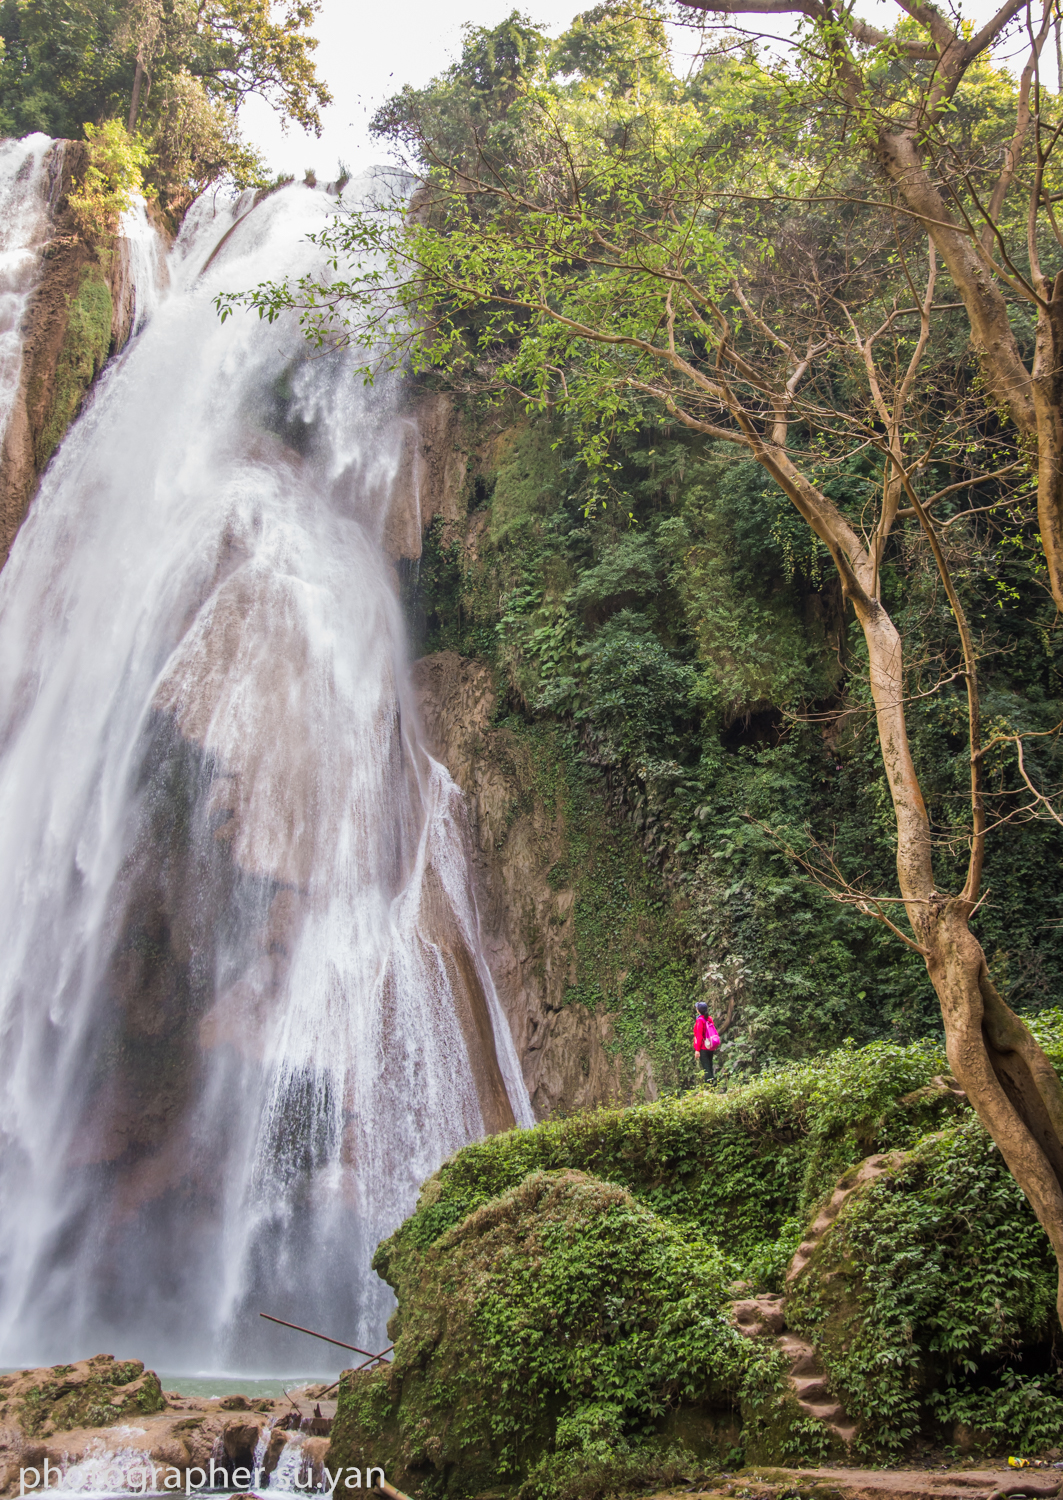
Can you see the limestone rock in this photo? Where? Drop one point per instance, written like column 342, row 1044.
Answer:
column 526, row 924
column 101, row 1412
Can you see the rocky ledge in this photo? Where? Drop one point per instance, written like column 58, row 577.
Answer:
column 110, row 1422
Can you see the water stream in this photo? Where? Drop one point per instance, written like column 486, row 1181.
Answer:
column 240, row 974
column 24, row 224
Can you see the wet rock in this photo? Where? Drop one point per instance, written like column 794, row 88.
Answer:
column 182, row 1433
column 277, row 1443
column 239, row 1440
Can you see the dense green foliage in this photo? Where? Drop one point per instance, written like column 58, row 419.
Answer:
column 924, row 1295
column 112, row 179
column 629, row 950
column 594, row 1316
column 562, row 1290
column 746, row 1166
column 68, row 63
column 680, row 638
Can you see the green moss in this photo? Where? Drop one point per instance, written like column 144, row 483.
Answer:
column 85, row 348
column 525, row 477
column 746, row 1167
column 669, row 615
column 629, row 948
column 586, row 1307
column 97, row 1394
column 924, row 1293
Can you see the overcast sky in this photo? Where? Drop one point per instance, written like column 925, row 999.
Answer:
column 370, row 48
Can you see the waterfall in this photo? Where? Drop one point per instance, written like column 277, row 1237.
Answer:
column 142, row 246
column 23, row 231
column 243, row 1006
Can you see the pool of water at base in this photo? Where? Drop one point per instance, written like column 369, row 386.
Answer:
column 207, row 1386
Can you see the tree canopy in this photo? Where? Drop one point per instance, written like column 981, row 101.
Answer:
column 174, row 70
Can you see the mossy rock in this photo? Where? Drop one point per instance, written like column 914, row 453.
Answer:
column 563, row 1292
column 930, row 1301
column 746, row 1168
column 563, row 1303
column 85, row 348
column 96, row 1392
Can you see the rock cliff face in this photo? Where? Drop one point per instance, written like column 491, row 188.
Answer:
column 79, row 314
column 431, row 476
column 526, row 923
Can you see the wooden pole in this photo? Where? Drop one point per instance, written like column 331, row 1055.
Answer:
column 322, row 1336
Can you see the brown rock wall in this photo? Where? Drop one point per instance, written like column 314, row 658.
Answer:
column 431, row 474
column 526, row 924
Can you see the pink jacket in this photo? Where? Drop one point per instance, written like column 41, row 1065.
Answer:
column 706, row 1037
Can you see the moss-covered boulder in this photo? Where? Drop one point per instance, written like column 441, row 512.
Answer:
column 746, row 1168
column 95, row 1392
column 560, row 1316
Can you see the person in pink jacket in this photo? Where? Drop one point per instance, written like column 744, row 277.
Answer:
column 706, row 1038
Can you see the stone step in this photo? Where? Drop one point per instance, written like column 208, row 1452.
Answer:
column 758, row 1316
column 802, row 1356
column 830, row 1412
column 811, row 1388
column 867, row 1170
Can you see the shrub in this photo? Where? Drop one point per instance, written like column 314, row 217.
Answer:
column 112, row 179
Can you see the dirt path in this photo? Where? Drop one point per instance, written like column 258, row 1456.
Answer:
column 763, row 1483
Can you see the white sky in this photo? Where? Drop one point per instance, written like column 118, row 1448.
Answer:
column 370, row 48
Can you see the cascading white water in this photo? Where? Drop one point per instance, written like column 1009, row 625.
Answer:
column 238, row 951
column 23, row 231
column 145, row 272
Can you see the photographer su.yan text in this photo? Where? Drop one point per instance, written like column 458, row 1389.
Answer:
column 148, row 1478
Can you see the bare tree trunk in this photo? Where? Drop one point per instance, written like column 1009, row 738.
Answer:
column 1034, row 399
column 1005, row 1074
column 1009, row 1081
column 1047, row 383
column 134, row 107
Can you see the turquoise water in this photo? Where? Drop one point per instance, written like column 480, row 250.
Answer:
column 230, row 1385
